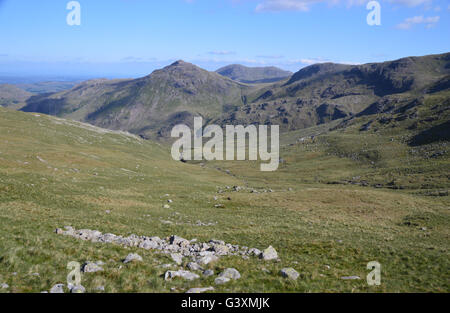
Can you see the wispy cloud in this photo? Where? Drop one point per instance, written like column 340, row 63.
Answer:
column 411, row 3
column 222, row 52
column 416, row 20
column 305, row 5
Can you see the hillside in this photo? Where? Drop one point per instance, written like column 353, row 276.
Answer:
column 330, row 208
column 148, row 106
column 12, row 96
column 320, row 93
column 253, row 75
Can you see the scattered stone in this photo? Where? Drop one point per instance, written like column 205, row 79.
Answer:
column 132, row 257
column 230, row 273
column 4, row 286
column 200, row 290
column 350, row 277
column 175, row 240
column 269, row 254
column 207, row 259
column 208, row 273
column 219, row 206
column 183, row 274
column 108, row 211
column 77, row 289
column 327, row 267
column 221, row 280
column 254, row 251
column 169, row 201
column 177, row 258
column 90, row 267
column 58, row 288
column 289, row 273
column 221, row 249
column 201, row 253
column 166, row 206
column 194, row 266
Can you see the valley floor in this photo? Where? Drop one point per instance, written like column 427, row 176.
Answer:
column 325, row 212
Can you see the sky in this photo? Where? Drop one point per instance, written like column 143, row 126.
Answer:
column 131, row 38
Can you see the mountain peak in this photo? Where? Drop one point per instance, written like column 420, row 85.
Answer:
column 180, row 63
column 245, row 74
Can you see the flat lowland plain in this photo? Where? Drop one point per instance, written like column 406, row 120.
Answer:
column 337, row 202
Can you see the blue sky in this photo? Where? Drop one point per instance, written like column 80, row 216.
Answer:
column 131, row 38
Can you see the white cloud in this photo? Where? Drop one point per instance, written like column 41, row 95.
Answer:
column 305, row 5
column 411, row 21
column 411, row 3
column 285, row 5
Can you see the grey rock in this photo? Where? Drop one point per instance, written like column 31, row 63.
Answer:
column 207, row 259
column 58, row 288
column 230, row 273
column 175, row 240
column 132, row 257
column 200, row 290
column 90, row 267
column 77, row 289
column 221, row 280
column 208, row 273
column 169, row 275
column 221, row 249
column 194, row 266
column 350, row 277
column 4, row 286
column 269, row 254
column 289, row 273
column 177, row 258
column 254, row 251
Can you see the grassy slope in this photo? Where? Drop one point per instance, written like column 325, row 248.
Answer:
column 315, row 224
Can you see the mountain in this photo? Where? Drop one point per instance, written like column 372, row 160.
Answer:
column 253, row 75
column 12, row 96
column 317, row 94
column 149, row 106
column 324, row 92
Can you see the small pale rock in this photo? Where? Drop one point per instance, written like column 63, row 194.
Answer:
column 208, row 273
column 207, row 259
column 90, row 267
column 350, row 277
column 78, row 289
column 230, row 273
column 183, row 274
column 200, row 290
column 269, row 254
column 58, row 288
column 177, row 258
column 4, row 286
column 132, row 257
column 289, row 273
column 194, row 266
column 221, row 280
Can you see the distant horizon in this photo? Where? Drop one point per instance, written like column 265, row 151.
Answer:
column 35, row 77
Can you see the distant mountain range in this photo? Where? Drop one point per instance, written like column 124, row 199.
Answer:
column 152, row 105
column 253, row 75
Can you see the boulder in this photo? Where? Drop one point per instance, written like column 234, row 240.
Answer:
column 289, row 273
column 269, row 254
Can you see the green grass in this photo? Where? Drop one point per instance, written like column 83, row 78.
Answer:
column 82, row 172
